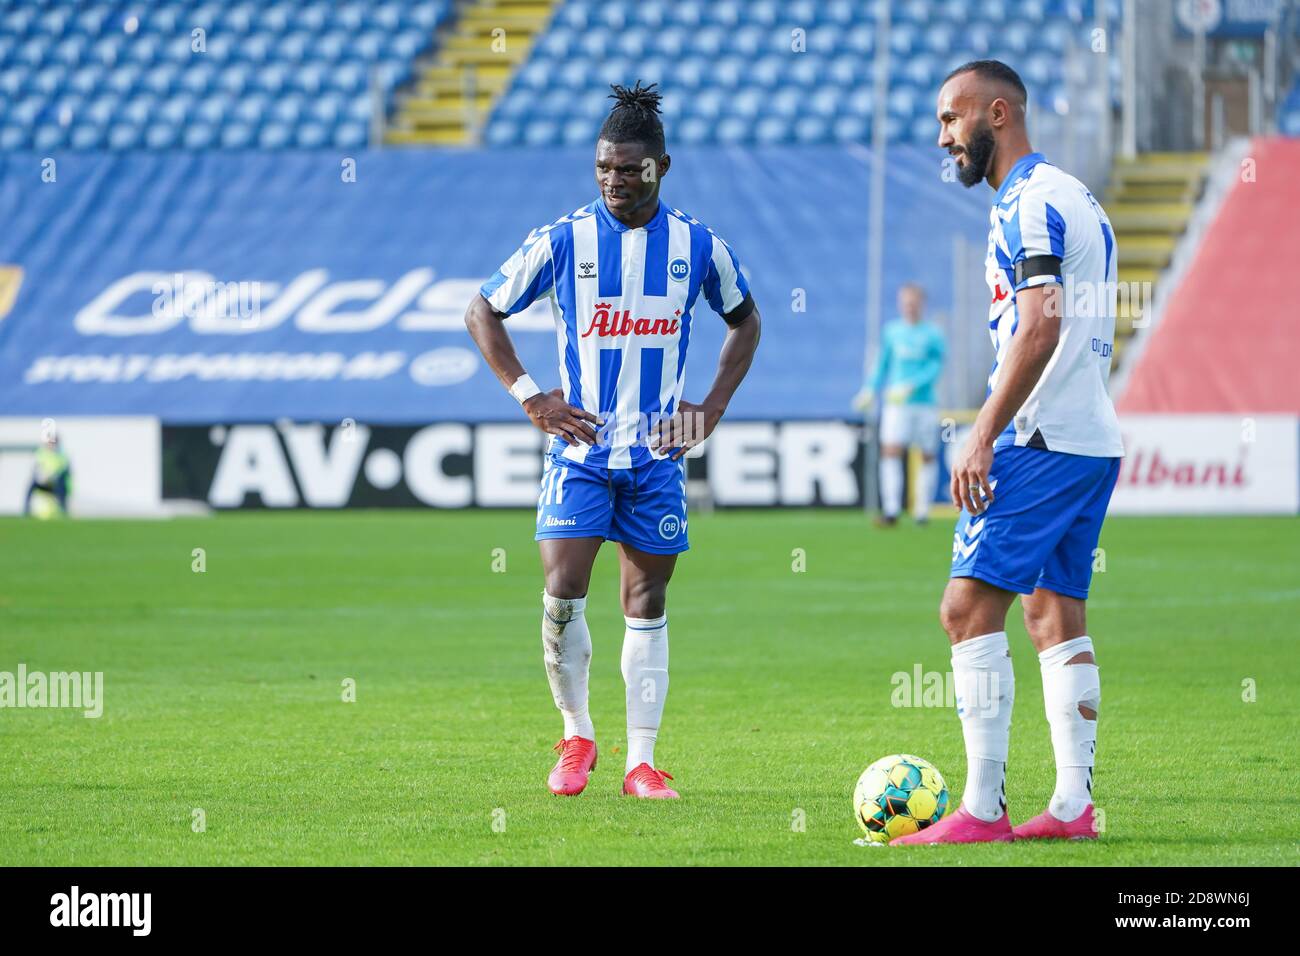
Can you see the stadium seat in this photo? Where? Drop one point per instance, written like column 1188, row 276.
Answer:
column 276, row 135
column 86, row 136
column 176, row 109
column 351, row 136
column 250, row 109
column 199, row 136
column 850, row 129
column 311, row 135
column 27, row 110
column 124, row 136
column 160, row 136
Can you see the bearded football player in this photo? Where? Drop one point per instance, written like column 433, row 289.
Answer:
column 1036, row 473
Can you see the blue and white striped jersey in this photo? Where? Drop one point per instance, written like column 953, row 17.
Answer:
column 623, row 301
column 1043, row 211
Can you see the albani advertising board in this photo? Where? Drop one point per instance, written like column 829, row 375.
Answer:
column 1209, row 464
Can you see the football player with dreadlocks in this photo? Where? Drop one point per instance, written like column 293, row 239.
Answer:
column 623, row 275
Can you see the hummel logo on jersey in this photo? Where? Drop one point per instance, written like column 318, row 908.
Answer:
column 586, row 268
column 605, row 323
column 1016, row 189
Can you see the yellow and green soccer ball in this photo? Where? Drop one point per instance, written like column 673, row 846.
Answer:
column 44, row 506
column 897, row 795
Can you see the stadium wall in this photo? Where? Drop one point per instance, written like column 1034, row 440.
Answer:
column 338, row 284
column 293, row 322
column 138, row 467
column 116, row 463
column 333, row 368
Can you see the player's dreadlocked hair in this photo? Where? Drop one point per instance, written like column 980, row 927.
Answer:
column 635, row 117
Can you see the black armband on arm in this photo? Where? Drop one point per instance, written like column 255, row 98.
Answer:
column 741, row 312
column 1035, row 266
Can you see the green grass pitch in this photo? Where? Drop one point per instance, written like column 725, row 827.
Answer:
column 223, row 693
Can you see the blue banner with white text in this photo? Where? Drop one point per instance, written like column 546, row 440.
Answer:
column 256, row 287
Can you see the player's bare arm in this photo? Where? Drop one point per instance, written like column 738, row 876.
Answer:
column 547, row 410
column 692, row 423
column 1031, row 349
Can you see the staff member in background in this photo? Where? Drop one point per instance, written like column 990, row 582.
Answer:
column 911, row 358
column 51, row 482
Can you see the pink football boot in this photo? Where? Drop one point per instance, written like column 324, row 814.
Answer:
column 1047, row 827
column 960, row 827
column 645, row 781
column 577, row 760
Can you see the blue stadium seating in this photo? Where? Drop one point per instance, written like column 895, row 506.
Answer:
column 109, row 74
column 112, row 74
column 729, row 73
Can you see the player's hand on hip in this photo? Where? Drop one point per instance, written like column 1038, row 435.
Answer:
column 689, row 425
column 970, row 477
column 553, row 415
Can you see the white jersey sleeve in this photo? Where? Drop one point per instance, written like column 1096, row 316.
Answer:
column 1041, row 232
column 522, row 279
column 724, row 286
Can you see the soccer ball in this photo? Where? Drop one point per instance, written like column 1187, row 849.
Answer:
column 44, row 506
column 897, row 795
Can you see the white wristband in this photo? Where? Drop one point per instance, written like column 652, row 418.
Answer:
column 524, row 388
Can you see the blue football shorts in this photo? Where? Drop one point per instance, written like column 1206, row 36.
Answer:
column 643, row 506
column 1041, row 530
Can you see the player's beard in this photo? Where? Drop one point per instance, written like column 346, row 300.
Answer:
column 979, row 154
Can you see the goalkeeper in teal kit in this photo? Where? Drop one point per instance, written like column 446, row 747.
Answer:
column 908, row 367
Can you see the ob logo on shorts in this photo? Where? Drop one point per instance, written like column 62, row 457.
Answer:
column 679, row 269
column 670, row 526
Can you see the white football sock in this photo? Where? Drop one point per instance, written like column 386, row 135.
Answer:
column 986, row 691
column 645, row 672
column 891, row 486
column 1074, row 737
column 925, row 487
column 566, row 649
